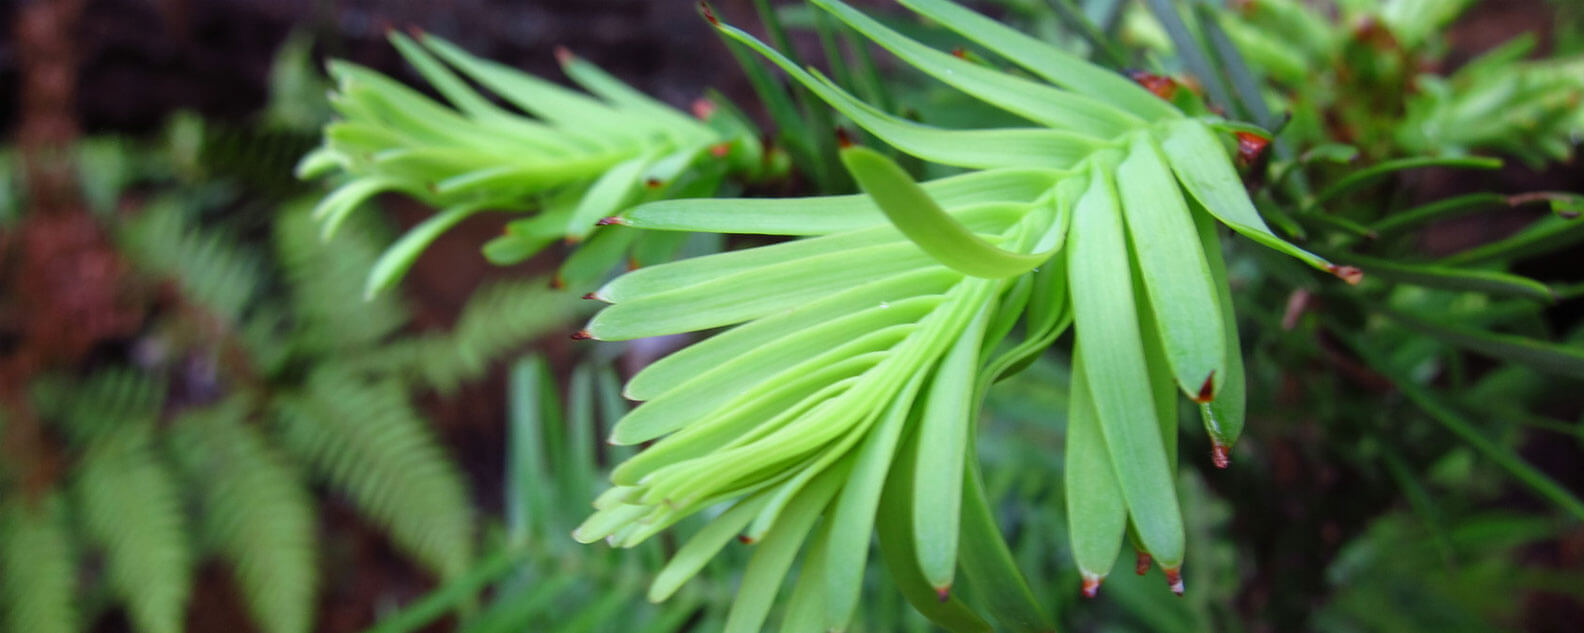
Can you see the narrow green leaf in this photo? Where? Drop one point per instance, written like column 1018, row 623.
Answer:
column 1451, row 278
column 1547, row 235
column 1191, row 51
column 1202, row 167
column 773, row 557
column 754, row 293
column 898, row 550
column 982, row 148
column 1553, row 358
column 988, row 564
column 1173, row 267
column 1223, row 417
column 686, row 364
column 1108, row 337
column 923, row 221
column 1439, row 210
column 853, row 517
column 1035, row 101
column 1054, row 64
column 1445, row 414
column 703, row 546
column 833, row 214
column 942, row 454
column 1366, row 176
column 394, row 263
column 1096, row 512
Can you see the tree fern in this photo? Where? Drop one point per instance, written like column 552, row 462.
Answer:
column 38, row 567
column 254, row 509
column 131, row 510
column 361, row 436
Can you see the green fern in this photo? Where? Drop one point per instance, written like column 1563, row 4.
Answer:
column 38, row 567
column 131, row 510
column 325, row 281
column 363, row 438
column 207, row 266
column 255, row 510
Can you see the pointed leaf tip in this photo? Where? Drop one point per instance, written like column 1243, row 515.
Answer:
column 1141, row 565
column 1091, row 585
column 563, row 55
column 1250, row 146
column 1159, row 85
column 1220, row 454
column 943, row 593
column 1350, row 274
column 1207, row 390
column 745, row 539
column 1174, row 580
column 582, row 335
column 704, row 8
column 843, row 139
column 614, row 219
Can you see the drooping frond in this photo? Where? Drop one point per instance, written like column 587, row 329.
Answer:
column 131, row 509
column 38, row 567
column 363, row 438
column 254, row 508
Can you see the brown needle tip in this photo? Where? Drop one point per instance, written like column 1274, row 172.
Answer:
column 1174, row 580
column 1091, row 585
column 943, row 593
column 1207, row 390
column 615, row 219
column 1349, row 274
column 704, row 8
column 581, row 335
column 1141, row 564
column 1220, row 454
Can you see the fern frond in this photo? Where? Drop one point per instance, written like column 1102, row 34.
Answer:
column 110, row 399
column 209, row 268
column 498, row 319
column 254, row 508
column 326, row 282
column 38, row 568
column 365, row 440
column 131, row 508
